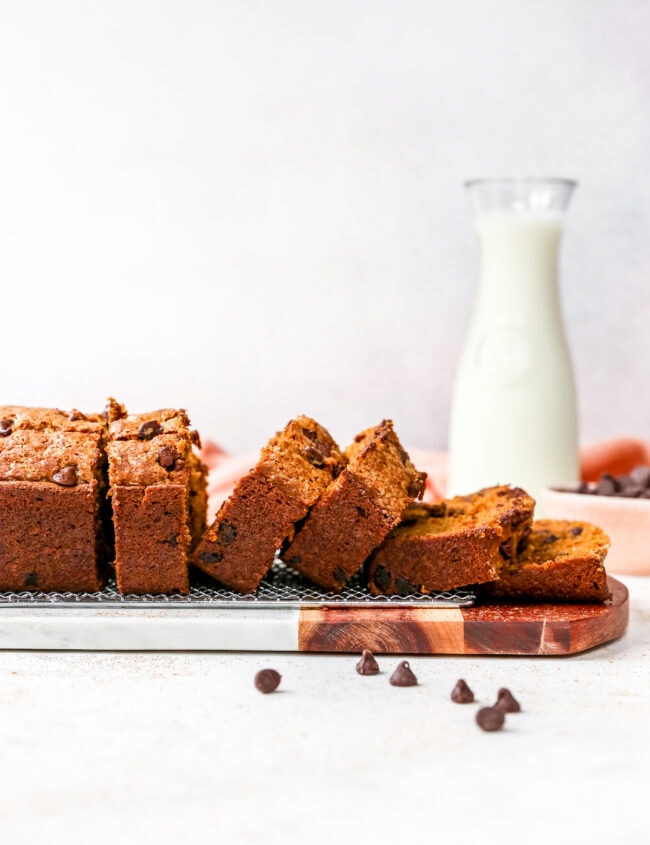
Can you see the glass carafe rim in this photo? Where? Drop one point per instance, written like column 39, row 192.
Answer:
column 521, row 180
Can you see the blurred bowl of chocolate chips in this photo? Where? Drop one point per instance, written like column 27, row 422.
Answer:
column 620, row 504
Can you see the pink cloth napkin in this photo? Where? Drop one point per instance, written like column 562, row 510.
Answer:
column 616, row 456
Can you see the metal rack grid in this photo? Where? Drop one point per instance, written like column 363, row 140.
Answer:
column 282, row 587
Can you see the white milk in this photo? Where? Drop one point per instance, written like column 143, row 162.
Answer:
column 513, row 417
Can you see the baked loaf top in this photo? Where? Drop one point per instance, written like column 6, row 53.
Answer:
column 561, row 560
column 153, row 448
column 44, row 444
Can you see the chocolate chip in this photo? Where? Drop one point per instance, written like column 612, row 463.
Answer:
column 490, row 719
column 417, row 486
column 31, row 579
column 576, row 531
column 403, row 676
column 608, row 485
column 267, row 680
column 337, row 469
column 75, row 415
column 363, row 513
column 6, row 427
column 367, row 665
column 382, row 578
column 196, row 439
column 404, row 587
column 171, row 541
column 506, row 701
column 461, row 693
column 149, row 429
column 295, row 560
column 314, row 456
column 339, row 575
column 641, row 475
column 211, row 557
column 548, row 537
column 167, row 457
column 226, row 533
column 403, row 454
column 66, row 476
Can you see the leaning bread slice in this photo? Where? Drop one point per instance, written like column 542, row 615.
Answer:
column 358, row 509
column 294, row 469
column 560, row 561
column 453, row 543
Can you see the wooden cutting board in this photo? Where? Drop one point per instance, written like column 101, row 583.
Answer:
column 532, row 629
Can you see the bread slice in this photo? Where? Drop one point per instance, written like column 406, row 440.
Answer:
column 560, row 561
column 294, row 469
column 454, row 543
column 358, row 509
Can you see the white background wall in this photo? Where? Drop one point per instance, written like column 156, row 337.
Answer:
column 255, row 209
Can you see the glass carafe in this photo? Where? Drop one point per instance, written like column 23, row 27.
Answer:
column 513, row 415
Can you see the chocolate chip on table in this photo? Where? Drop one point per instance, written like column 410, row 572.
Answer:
column 641, row 475
column 6, row 427
column 367, row 665
column 149, row 429
column 403, row 676
column 506, row 702
column 461, row 693
column 66, row 476
column 226, row 533
column 167, row 457
column 267, row 680
column 490, row 719
column 608, row 485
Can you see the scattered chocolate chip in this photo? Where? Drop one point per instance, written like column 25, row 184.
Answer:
column 66, row 476
column 507, row 702
column 641, row 475
column 367, row 665
column 167, row 457
column 267, row 680
column 31, row 579
column 608, row 485
column 490, row 719
column 339, row 575
column 75, row 415
column 461, row 693
column 576, row 531
column 382, row 578
column 149, row 429
column 403, row 676
column 226, row 533
column 418, row 485
column 363, row 513
column 211, row 557
column 6, row 427
column 314, row 456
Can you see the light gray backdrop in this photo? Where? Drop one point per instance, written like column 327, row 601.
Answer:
column 255, row 209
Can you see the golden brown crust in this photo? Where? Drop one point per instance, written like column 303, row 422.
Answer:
column 454, row 543
column 294, row 469
column 560, row 561
column 358, row 510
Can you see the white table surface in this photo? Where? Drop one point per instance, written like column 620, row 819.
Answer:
column 151, row 748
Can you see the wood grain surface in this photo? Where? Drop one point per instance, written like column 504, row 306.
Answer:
column 524, row 629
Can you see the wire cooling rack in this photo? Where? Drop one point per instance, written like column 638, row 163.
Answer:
column 282, row 587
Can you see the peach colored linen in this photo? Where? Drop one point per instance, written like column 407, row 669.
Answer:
column 615, row 456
